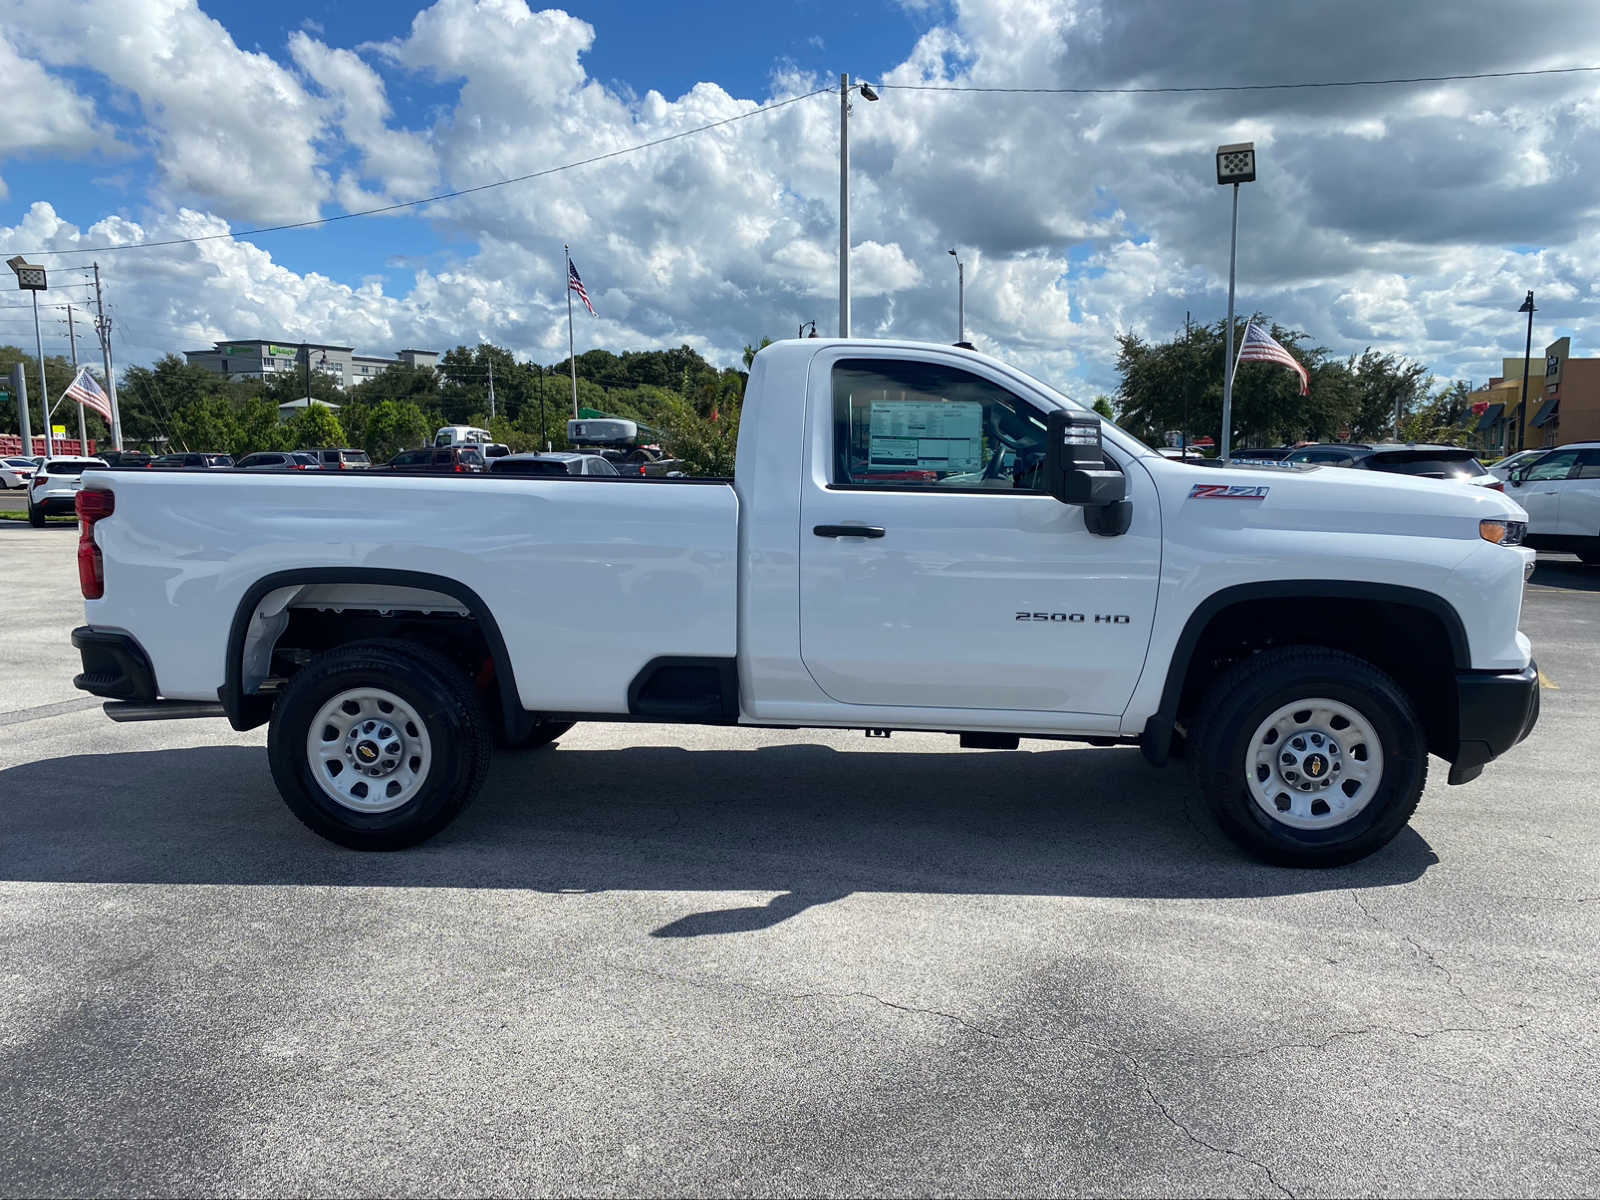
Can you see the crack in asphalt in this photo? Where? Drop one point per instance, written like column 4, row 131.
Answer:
column 742, row 985
column 1427, row 955
column 1199, row 1141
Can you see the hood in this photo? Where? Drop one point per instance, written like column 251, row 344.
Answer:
column 1331, row 499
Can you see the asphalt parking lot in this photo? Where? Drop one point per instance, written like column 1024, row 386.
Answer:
column 657, row 960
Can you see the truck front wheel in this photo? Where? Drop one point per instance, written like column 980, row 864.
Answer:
column 1309, row 757
column 378, row 745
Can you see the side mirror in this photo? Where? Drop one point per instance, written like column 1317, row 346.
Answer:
column 1519, row 476
column 1076, row 473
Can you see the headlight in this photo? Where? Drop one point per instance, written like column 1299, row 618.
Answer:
column 1502, row 531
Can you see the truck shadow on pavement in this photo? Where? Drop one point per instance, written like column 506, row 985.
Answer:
column 808, row 822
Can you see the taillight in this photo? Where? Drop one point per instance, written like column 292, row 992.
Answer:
column 93, row 504
column 40, row 480
column 460, row 470
column 1495, row 487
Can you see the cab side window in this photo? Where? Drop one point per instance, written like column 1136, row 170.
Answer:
column 902, row 424
column 1588, row 464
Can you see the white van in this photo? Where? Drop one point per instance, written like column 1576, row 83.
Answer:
column 462, row 435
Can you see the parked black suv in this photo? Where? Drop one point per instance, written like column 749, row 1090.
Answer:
column 189, row 461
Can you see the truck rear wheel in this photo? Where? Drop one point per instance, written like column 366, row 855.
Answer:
column 378, row 745
column 1309, row 757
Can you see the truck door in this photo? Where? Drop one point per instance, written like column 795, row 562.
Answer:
column 968, row 586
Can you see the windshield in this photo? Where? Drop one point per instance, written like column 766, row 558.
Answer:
column 1432, row 464
column 19, row 462
column 58, row 467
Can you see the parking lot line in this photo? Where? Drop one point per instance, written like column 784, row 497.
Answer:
column 1545, row 682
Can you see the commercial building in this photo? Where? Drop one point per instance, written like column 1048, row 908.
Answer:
column 258, row 358
column 1563, row 402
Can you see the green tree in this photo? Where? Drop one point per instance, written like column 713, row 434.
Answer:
column 1102, row 405
column 316, row 428
column 209, row 423
column 392, row 426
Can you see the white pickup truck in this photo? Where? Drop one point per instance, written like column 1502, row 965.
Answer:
column 917, row 537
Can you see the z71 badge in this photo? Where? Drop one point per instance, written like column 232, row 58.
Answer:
column 1229, row 491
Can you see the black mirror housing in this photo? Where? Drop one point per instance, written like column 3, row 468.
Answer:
column 1075, row 465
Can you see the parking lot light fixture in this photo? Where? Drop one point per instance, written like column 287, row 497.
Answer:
column 1522, row 409
column 1236, row 164
column 31, row 278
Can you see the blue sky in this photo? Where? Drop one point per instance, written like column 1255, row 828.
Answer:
column 638, row 47
column 1407, row 219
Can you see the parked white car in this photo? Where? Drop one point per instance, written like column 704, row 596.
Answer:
column 1502, row 469
column 53, row 491
column 1561, row 491
column 16, row 472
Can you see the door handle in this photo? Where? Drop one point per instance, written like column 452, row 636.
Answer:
column 860, row 531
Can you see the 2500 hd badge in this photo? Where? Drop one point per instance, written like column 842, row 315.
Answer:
column 1076, row 618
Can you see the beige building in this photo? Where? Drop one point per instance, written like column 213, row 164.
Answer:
column 1563, row 402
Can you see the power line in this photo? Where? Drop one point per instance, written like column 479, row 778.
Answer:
column 1228, row 87
column 482, row 187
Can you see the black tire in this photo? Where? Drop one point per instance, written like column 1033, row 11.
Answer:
column 441, row 695
column 541, row 734
column 1590, row 556
column 35, row 515
column 1251, row 691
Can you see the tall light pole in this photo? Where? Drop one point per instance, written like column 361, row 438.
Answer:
column 31, row 278
column 1236, row 164
column 961, row 297
column 1522, row 409
column 844, row 196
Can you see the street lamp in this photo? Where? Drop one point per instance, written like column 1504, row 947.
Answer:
column 961, row 298
column 844, row 197
column 31, row 278
column 1236, row 164
column 1522, row 410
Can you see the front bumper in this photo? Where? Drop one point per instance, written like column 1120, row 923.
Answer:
column 114, row 666
column 1494, row 711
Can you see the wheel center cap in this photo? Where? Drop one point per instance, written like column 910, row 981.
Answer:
column 367, row 752
column 1315, row 766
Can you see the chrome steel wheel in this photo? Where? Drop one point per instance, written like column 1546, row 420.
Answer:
column 1314, row 764
column 368, row 750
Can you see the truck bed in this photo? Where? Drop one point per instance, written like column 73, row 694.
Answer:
column 591, row 578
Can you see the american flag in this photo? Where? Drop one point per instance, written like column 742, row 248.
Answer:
column 575, row 284
column 1259, row 346
column 87, row 392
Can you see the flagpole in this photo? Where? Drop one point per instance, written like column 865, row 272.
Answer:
column 83, row 429
column 572, row 356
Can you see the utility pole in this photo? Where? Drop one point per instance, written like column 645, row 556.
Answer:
column 72, row 339
column 305, row 353
column 102, row 326
column 543, row 436
column 491, row 389
column 844, row 206
column 1188, row 354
